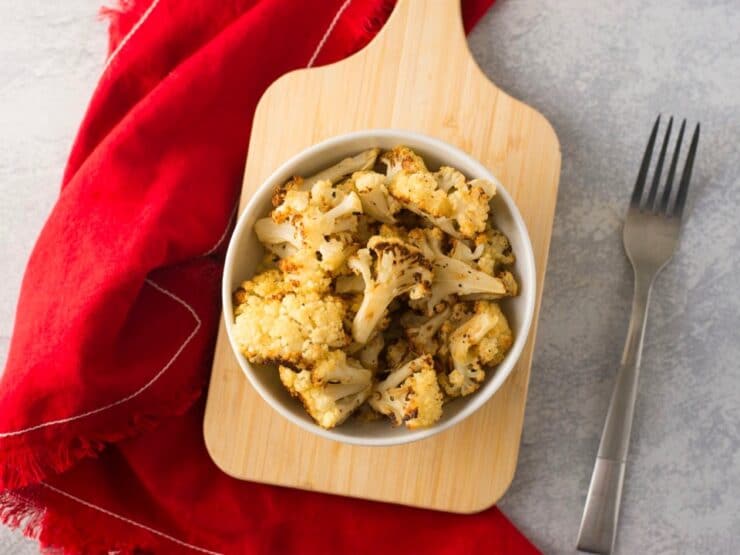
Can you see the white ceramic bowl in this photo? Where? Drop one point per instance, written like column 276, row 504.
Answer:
column 244, row 253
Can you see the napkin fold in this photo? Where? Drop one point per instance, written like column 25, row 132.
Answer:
column 101, row 401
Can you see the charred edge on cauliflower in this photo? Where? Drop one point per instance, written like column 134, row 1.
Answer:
column 329, row 404
column 480, row 342
column 410, row 394
column 389, row 268
column 452, row 276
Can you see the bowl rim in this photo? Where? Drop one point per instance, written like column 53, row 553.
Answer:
column 525, row 265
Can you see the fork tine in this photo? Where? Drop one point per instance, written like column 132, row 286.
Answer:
column 659, row 168
column 683, row 188
column 640, row 183
column 672, row 170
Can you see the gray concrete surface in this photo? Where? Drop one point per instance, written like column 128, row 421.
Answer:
column 600, row 73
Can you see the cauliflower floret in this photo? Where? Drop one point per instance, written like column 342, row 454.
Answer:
column 458, row 207
column 462, row 211
column 402, row 158
column 452, row 276
column 320, row 221
column 449, row 178
column 419, row 193
column 363, row 161
column 460, row 313
column 329, row 402
column 275, row 324
column 376, row 201
column 335, row 367
column 495, row 251
column 421, row 330
column 278, row 236
column 470, row 206
column 480, row 342
column 328, row 212
column 462, row 251
column 410, row 394
column 389, row 268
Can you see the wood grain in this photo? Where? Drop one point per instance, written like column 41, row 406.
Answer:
column 417, row 74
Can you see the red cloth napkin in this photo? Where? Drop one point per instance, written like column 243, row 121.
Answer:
column 101, row 400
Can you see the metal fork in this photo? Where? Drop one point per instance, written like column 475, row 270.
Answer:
column 651, row 231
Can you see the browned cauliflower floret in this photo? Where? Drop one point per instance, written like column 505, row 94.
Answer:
column 389, row 268
column 460, row 312
column 376, row 201
column 410, row 394
column 330, row 392
column 452, row 276
column 495, row 251
column 458, row 207
column 312, row 231
column 402, row 158
column 480, row 342
column 419, row 193
column 275, row 324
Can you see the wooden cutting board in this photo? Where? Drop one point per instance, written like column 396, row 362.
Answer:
column 419, row 75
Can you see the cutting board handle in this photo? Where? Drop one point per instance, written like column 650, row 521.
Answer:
column 434, row 24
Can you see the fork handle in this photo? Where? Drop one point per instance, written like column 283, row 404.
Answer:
column 601, row 512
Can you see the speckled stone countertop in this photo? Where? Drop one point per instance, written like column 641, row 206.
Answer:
column 600, row 73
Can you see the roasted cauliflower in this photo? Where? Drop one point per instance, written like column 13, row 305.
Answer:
column 332, row 390
column 480, row 342
column 389, row 267
column 453, row 276
column 458, row 207
column 274, row 324
column 410, row 395
column 377, row 294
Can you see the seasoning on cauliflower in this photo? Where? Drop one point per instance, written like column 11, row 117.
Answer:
column 421, row 331
column 452, row 276
column 389, row 268
column 419, row 193
column 480, row 342
column 458, row 207
column 410, row 394
column 495, row 251
column 376, row 201
column 402, row 158
column 332, row 391
column 273, row 324
column 318, row 223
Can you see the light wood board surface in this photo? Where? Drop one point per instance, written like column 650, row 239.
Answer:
column 418, row 75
